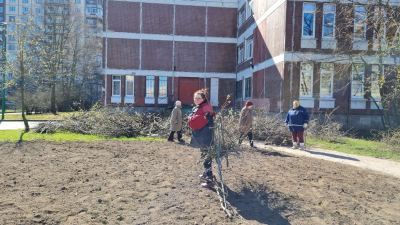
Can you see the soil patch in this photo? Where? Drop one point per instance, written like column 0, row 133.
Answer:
column 115, row 182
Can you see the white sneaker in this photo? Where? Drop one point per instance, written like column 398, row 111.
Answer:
column 294, row 145
column 302, row 146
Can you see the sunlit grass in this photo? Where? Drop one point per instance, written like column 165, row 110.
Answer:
column 357, row 147
column 43, row 116
column 17, row 135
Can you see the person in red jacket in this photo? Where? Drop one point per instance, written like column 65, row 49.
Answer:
column 201, row 121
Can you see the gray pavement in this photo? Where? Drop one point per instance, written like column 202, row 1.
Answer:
column 385, row 166
column 16, row 125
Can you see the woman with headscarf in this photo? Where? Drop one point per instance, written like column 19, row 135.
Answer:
column 176, row 122
column 246, row 123
column 297, row 119
column 201, row 121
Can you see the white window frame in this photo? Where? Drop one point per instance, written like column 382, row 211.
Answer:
column 163, row 99
column 12, row 8
column 241, row 16
column 365, row 24
column 334, row 21
column 249, row 8
column 376, row 82
column 149, row 99
column 246, row 80
column 362, row 81
column 311, row 79
column 302, row 22
column 129, row 98
column 320, row 84
column 240, row 53
column 249, row 47
column 25, row 1
column 384, row 25
column 113, row 85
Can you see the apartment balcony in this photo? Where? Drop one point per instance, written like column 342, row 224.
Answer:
column 98, row 6
column 94, row 16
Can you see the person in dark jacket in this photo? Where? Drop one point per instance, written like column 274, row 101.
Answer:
column 246, row 123
column 201, row 121
column 176, row 122
column 297, row 119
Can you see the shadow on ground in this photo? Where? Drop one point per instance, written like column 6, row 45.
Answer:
column 258, row 206
column 331, row 155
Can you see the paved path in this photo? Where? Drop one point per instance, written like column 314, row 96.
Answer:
column 380, row 165
column 15, row 125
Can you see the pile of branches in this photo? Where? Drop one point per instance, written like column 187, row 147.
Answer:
column 112, row 122
column 271, row 128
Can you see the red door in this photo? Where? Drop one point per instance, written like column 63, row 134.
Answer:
column 187, row 87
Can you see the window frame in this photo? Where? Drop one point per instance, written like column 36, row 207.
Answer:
column 241, row 16
column 249, row 9
column 150, row 80
column 302, row 25
column 113, row 85
column 248, row 88
column 130, row 78
column 11, row 7
column 166, row 87
column 239, row 88
column 376, row 8
column 372, row 82
column 320, row 84
column 251, row 50
column 311, row 79
column 241, row 56
column 365, row 24
column 362, row 81
column 334, row 21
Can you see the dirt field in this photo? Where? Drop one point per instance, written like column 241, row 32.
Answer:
column 113, row 182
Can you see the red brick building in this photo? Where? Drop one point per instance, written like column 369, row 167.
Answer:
column 160, row 51
column 157, row 52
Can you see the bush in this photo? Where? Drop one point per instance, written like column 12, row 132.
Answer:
column 390, row 139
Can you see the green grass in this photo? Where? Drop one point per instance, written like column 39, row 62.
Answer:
column 17, row 135
column 357, row 147
column 43, row 116
column 10, row 110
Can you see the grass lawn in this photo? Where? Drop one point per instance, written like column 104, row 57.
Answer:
column 43, row 116
column 17, row 135
column 357, row 147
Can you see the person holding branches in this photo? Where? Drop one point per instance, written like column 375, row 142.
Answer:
column 201, row 120
column 297, row 120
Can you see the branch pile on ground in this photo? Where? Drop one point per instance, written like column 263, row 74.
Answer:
column 113, row 122
column 271, row 128
column 327, row 129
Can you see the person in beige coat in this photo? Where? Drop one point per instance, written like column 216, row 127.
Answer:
column 176, row 122
column 246, row 123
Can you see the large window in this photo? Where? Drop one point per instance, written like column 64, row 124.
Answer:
column 116, row 85
column 249, row 48
column 248, row 88
column 360, row 25
column 380, row 19
column 241, row 16
column 12, row 9
column 149, row 87
column 249, row 8
column 239, row 89
column 162, row 87
column 326, row 80
column 240, row 53
column 306, row 77
column 308, row 19
column 375, row 82
column 357, row 81
column 25, row 9
column 130, row 88
column 329, row 21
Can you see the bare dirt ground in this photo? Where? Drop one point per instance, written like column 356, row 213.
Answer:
column 114, row 182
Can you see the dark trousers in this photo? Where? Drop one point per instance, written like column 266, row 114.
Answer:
column 298, row 133
column 207, row 160
column 171, row 135
column 249, row 135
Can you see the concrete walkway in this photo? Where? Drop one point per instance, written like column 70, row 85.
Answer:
column 380, row 165
column 16, row 125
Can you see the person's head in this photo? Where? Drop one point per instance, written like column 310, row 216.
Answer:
column 200, row 96
column 296, row 104
column 178, row 103
column 249, row 104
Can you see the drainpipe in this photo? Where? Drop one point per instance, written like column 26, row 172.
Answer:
column 292, row 49
column 106, row 52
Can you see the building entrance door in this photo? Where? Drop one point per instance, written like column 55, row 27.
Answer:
column 187, row 87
